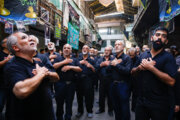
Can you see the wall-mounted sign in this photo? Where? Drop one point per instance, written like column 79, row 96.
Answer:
column 44, row 14
column 47, row 34
column 18, row 10
column 168, row 9
column 8, row 27
column 57, row 32
column 20, row 26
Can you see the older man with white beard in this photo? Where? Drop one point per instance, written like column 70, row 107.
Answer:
column 51, row 54
column 120, row 93
column 102, row 66
column 27, row 97
column 85, row 83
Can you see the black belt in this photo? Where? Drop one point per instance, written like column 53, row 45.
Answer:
column 116, row 81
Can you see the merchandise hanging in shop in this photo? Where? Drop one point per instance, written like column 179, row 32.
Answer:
column 168, row 9
column 18, row 10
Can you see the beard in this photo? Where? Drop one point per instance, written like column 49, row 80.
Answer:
column 119, row 50
column 50, row 48
column 157, row 46
column 106, row 55
column 84, row 53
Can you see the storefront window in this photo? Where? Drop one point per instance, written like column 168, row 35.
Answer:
column 103, row 31
column 112, row 43
column 115, row 30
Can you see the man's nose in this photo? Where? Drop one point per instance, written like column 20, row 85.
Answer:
column 31, row 39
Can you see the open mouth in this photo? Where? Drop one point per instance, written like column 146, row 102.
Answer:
column 32, row 44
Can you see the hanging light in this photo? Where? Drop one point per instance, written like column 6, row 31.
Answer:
column 106, row 3
column 119, row 5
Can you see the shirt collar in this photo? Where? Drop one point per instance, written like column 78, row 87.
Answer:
column 122, row 55
column 22, row 60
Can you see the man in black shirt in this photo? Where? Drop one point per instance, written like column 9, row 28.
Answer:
column 134, row 80
column 102, row 66
column 52, row 54
column 66, row 66
column 85, row 83
column 120, row 93
column 28, row 95
column 4, row 58
column 157, row 69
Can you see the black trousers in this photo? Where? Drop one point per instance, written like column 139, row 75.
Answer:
column 146, row 113
column 104, row 92
column 64, row 94
column 85, row 91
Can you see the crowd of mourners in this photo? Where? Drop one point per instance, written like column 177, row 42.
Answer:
column 30, row 80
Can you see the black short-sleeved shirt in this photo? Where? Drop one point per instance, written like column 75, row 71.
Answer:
column 44, row 60
column 68, row 75
column 121, row 72
column 55, row 53
column 103, row 71
column 85, row 70
column 38, row 105
column 2, row 57
column 155, row 92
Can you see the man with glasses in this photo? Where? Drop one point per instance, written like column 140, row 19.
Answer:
column 157, row 70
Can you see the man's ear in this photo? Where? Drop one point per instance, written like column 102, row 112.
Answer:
column 166, row 42
column 152, row 38
column 15, row 48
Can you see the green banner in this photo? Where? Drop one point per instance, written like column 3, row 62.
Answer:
column 73, row 37
column 58, row 22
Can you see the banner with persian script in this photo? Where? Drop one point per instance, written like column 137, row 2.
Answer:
column 168, row 9
column 58, row 21
column 73, row 36
column 18, row 10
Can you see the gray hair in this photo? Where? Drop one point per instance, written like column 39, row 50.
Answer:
column 69, row 45
column 11, row 40
column 132, row 50
column 109, row 46
column 121, row 41
column 87, row 46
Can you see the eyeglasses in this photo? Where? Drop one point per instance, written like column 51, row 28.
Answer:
column 159, row 34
